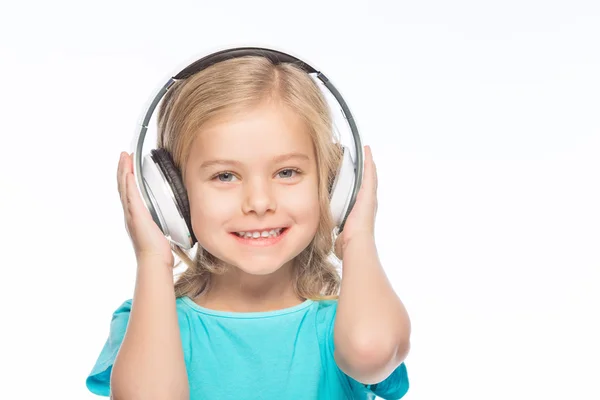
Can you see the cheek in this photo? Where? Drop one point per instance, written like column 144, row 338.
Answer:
column 302, row 204
column 208, row 212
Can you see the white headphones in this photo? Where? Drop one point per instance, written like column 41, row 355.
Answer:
column 160, row 182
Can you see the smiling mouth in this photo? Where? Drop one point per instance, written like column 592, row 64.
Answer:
column 258, row 235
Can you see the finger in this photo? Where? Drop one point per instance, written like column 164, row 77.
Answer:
column 373, row 170
column 337, row 248
column 132, row 190
column 125, row 173
column 119, row 168
column 121, row 180
column 136, row 206
column 369, row 182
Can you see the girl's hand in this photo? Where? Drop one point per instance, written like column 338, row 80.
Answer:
column 148, row 240
column 360, row 224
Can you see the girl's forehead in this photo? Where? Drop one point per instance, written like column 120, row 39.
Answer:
column 266, row 131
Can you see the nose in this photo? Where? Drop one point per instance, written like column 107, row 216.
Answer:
column 258, row 198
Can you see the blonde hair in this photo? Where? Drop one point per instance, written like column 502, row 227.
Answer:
column 233, row 86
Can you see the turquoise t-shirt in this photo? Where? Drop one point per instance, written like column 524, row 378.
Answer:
column 283, row 354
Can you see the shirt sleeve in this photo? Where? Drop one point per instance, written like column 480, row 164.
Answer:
column 394, row 387
column 98, row 381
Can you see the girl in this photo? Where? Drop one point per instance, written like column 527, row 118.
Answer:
column 261, row 311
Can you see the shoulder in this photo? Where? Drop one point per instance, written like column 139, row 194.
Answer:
column 125, row 306
column 121, row 314
column 98, row 381
column 324, row 319
column 326, row 310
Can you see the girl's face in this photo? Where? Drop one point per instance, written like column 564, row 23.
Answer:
column 254, row 175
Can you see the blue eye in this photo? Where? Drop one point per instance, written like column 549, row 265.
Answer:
column 288, row 173
column 227, row 176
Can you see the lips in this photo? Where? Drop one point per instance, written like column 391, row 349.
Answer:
column 266, row 238
column 260, row 233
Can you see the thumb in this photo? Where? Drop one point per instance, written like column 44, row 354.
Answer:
column 337, row 248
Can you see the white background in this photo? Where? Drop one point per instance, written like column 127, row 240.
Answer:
column 484, row 121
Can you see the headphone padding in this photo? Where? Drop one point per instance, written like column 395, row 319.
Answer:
column 341, row 191
column 163, row 159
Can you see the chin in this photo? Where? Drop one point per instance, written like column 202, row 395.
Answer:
column 258, row 267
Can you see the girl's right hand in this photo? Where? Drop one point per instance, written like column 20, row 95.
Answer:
column 149, row 242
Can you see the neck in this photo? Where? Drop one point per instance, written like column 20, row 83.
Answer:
column 238, row 291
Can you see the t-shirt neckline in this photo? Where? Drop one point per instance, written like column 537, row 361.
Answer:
column 242, row 315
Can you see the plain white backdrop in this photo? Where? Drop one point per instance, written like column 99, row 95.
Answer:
column 484, row 123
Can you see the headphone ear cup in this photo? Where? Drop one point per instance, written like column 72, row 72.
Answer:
column 168, row 192
column 341, row 191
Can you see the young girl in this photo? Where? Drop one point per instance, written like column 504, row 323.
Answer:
column 261, row 311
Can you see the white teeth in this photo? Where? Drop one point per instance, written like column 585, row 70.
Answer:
column 260, row 234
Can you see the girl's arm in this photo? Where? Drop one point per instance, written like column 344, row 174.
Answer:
column 150, row 362
column 372, row 327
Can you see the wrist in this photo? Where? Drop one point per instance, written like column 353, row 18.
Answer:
column 153, row 261
column 362, row 238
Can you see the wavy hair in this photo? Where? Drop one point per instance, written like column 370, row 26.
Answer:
column 233, row 86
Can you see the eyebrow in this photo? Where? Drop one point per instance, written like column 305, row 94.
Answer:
column 278, row 159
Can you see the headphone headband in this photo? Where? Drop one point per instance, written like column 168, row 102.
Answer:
column 276, row 57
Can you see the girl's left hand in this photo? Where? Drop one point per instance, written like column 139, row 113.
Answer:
column 361, row 221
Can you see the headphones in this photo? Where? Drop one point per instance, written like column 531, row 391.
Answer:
column 160, row 182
